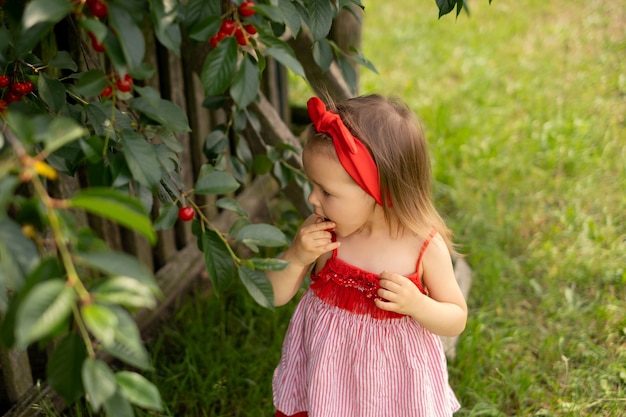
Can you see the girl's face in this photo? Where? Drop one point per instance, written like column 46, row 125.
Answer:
column 335, row 195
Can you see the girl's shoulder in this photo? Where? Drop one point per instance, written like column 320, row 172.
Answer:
column 435, row 248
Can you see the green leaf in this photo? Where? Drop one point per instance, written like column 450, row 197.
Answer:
column 282, row 172
column 238, row 169
column 45, row 11
column 169, row 139
column 124, row 291
column 119, row 264
column 246, row 83
column 100, row 321
column 203, row 29
column 261, row 164
column 358, row 57
column 118, row 406
column 258, row 286
column 99, row 382
column 129, row 35
column 64, row 366
column 348, row 72
column 116, row 206
column 321, row 13
column 90, row 83
column 254, row 235
column 47, row 268
column 219, row 67
column 211, row 181
column 60, row 132
column 231, row 204
column 51, row 91
column 215, row 143
column 163, row 111
column 63, row 60
column 127, row 345
column 243, row 151
column 138, row 390
column 47, row 305
column 446, row 6
column 8, row 184
column 166, row 29
column 25, row 40
column 18, row 255
column 291, row 17
column 23, row 128
column 141, row 159
column 95, row 26
column 323, row 54
column 282, row 52
column 269, row 264
column 168, row 213
column 218, row 260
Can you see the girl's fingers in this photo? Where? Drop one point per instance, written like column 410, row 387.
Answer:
column 325, row 225
column 388, row 285
column 386, row 294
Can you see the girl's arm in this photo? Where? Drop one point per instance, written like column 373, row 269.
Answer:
column 444, row 310
column 312, row 240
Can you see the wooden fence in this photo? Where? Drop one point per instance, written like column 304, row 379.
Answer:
column 176, row 260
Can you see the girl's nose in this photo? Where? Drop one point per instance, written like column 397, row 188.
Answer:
column 312, row 199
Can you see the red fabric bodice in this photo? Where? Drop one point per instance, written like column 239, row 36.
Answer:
column 351, row 288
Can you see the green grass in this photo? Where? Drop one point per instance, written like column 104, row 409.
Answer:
column 524, row 104
column 216, row 356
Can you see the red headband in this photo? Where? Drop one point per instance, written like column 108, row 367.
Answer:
column 353, row 155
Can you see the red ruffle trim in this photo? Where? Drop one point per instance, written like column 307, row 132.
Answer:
column 349, row 288
column 301, row 414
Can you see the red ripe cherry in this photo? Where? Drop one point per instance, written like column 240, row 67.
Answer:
column 250, row 29
column 95, row 43
column 216, row 39
column 246, row 9
column 98, row 9
column 228, row 27
column 4, row 81
column 17, row 88
column 28, row 87
column 13, row 97
column 241, row 37
column 106, row 91
column 186, row 213
column 125, row 84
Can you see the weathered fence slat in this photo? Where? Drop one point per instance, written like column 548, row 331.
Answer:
column 16, row 372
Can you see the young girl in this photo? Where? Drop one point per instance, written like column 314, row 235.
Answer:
column 364, row 339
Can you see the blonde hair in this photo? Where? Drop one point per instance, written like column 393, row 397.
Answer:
column 394, row 136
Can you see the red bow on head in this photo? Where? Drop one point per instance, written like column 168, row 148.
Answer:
column 353, row 155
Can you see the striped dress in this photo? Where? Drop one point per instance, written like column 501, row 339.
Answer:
column 344, row 357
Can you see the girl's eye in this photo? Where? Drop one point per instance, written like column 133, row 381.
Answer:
column 325, row 193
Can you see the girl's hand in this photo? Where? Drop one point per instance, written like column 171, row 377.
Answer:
column 401, row 294
column 313, row 239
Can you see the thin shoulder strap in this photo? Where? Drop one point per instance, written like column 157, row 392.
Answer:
column 424, row 246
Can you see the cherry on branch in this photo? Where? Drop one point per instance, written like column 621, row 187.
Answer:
column 246, row 10
column 125, row 84
column 186, row 213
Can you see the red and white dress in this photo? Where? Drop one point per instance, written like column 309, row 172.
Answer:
column 344, row 357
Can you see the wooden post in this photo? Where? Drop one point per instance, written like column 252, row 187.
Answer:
column 18, row 378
